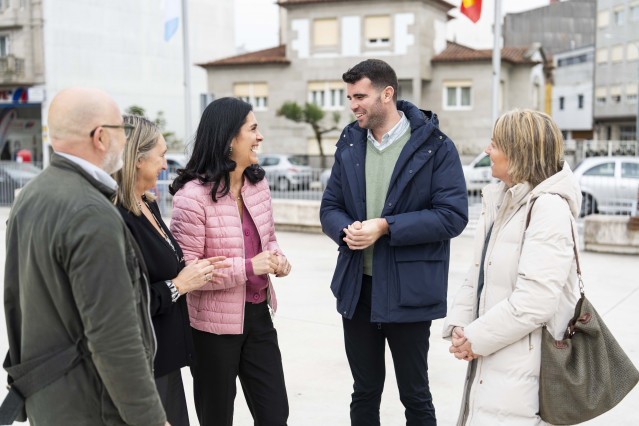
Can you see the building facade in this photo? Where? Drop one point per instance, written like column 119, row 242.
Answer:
column 461, row 89
column 118, row 46
column 558, row 27
column 572, row 103
column 616, row 70
column 22, row 75
column 323, row 39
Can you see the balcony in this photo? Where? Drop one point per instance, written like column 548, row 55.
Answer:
column 11, row 69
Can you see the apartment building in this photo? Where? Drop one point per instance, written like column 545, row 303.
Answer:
column 461, row 86
column 616, row 70
column 559, row 27
column 22, row 75
column 572, row 103
column 119, row 46
column 321, row 39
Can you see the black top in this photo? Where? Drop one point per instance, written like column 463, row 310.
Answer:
column 170, row 320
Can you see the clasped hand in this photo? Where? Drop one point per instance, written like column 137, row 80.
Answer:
column 461, row 347
column 270, row 262
column 360, row 235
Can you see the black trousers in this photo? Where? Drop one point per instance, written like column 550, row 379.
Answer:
column 171, row 392
column 255, row 357
column 365, row 348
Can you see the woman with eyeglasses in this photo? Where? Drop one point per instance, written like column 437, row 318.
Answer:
column 222, row 207
column 169, row 277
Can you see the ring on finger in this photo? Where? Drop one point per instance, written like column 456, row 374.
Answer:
column 207, row 277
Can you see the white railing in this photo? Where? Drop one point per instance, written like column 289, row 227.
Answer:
column 309, row 189
column 13, row 176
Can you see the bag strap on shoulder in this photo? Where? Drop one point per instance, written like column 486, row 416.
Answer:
column 27, row 378
column 574, row 245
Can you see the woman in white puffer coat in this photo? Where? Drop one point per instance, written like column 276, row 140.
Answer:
column 528, row 277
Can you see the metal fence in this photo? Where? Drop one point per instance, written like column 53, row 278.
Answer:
column 311, row 191
column 13, row 176
column 612, row 190
column 576, row 150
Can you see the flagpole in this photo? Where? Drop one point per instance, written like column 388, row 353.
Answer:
column 496, row 61
column 186, row 55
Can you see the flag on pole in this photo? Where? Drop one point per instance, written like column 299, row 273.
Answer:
column 472, row 9
column 171, row 18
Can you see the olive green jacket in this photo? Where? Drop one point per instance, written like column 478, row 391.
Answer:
column 71, row 275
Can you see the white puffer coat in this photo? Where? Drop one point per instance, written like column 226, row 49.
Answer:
column 530, row 279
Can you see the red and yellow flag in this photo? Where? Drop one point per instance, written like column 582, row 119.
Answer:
column 472, row 9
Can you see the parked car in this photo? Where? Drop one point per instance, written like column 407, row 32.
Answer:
column 608, row 184
column 285, row 172
column 478, row 173
column 13, row 176
column 174, row 161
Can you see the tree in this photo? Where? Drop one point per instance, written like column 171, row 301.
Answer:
column 313, row 115
column 171, row 141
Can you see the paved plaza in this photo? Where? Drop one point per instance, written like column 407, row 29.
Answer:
column 318, row 379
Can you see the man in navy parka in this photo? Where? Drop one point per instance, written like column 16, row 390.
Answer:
column 395, row 198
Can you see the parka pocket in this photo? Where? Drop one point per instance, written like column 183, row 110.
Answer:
column 421, row 276
column 343, row 271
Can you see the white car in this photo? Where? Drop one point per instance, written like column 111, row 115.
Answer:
column 174, row 161
column 608, row 184
column 284, row 172
column 478, row 173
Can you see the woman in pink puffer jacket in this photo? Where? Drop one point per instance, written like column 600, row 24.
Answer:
column 222, row 206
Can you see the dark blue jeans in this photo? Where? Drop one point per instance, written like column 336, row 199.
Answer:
column 365, row 347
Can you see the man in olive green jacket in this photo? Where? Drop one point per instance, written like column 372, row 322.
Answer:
column 72, row 277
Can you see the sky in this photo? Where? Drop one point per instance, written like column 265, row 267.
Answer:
column 256, row 23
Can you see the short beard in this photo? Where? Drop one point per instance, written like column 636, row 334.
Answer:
column 376, row 117
column 113, row 162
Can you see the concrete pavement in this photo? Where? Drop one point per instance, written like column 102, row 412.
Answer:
column 310, row 333
column 317, row 374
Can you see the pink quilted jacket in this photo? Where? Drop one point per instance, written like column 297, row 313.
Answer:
column 205, row 229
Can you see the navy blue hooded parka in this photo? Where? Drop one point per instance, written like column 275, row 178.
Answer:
column 426, row 205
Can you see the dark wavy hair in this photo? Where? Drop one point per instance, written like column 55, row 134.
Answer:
column 210, row 162
column 377, row 71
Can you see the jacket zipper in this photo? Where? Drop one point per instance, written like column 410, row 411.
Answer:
column 269, row 296
column 148, row 315
column 350, row 305
column 244, row 252
column 477, row 379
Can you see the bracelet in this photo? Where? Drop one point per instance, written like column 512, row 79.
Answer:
column 175, row 292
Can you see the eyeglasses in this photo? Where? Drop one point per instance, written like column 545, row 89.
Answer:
column 128, row 128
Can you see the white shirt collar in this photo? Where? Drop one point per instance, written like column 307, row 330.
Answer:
column 392, row 135
column 93, row 170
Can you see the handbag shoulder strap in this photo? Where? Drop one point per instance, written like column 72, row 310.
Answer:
column 27, row 378
column 574, row 245
column 31, row 376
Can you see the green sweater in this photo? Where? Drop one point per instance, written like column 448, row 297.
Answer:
column 379, row 169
